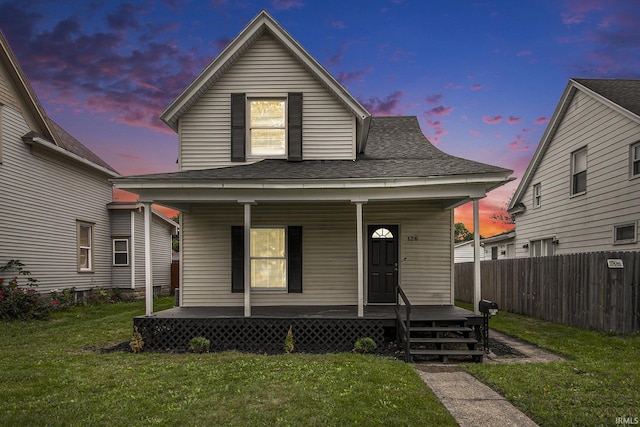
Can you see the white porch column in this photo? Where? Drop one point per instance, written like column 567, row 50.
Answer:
column 247, row 259
column 148, row 271
column 477, row 286
column 360, row 259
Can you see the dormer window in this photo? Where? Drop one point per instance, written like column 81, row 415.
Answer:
column 267, row 127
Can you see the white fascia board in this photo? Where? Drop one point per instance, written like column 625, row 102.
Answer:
column 47, row 145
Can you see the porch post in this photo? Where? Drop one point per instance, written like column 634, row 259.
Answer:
column 477, row 286
column 360, row 259
column 148, row 271
column 247, row 259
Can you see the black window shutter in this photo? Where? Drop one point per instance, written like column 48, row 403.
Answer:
column 294, row 126
column 237, row 259
column 294, row 264
column 238, row 127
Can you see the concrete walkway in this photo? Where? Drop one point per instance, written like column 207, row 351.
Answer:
column 472, row 403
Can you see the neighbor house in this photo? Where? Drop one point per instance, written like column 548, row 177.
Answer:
column 54, row 193
column 500, row 246
column 581, row 191
column 294, row 197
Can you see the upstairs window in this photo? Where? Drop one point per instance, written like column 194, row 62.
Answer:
column 579, row 172
column 85, row 246
column 635, row 160
column 537, row 195
column 267, row 128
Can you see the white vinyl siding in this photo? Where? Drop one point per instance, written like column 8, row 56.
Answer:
column 42, row 197
column 329, row 130
column 329, row 251
column 585, row 223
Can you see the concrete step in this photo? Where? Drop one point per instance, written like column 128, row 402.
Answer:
column 461, row 340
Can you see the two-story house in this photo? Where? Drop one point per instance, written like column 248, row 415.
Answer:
column 293, row 196
column 581, row 191
column 54, row 197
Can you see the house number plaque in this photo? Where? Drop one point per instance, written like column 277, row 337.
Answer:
column 615, row 263
column 413, row 238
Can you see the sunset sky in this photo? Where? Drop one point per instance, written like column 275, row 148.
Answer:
column 483, row 77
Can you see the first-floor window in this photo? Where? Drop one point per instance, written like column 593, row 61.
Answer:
column 625, row 233
column 268, row 258
column 85, row 245
column 120, row 251
column 542, row 247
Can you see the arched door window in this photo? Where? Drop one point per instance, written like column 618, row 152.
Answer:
column 382, row 233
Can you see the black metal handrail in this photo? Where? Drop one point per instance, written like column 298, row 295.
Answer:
column 403, row 326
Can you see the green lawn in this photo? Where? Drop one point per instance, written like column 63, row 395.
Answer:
column 54, row 374
column 598, row 383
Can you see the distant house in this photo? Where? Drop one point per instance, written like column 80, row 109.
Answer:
column 500, row 246
column 54, row 194
column 294, row 199
column 581, row 191
column 463, row 252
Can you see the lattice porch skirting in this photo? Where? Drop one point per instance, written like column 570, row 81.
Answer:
column 257, row 335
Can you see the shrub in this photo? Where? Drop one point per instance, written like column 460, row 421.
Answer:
column 365, row 345
column 22, row 303
column 288, row 342
column 136, row 343
column 199, row 345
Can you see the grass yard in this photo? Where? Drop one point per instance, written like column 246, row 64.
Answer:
column 599, row 383
column 54, row 374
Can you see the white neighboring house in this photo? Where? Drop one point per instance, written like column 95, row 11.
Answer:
column 581, row 191
column 463, row 252
column 501, row 246
column 54, row 193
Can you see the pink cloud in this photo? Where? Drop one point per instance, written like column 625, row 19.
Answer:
column 434, row 124
column 354, row 76
column 440, row 110
column 388, row 106
column 476, row 87
column 541, row 120
column 492, row 120
column 475, row 132
column 286, row 4
column 520, row 143
column 514, row 120
column 577, row 10
column 433, row 99
column 450, row 85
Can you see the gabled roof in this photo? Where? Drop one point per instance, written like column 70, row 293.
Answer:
column 49, row 132
column 620, row 95
column 262, row 23
column 396, row 148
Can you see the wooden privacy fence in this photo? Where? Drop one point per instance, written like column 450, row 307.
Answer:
column 584, row 290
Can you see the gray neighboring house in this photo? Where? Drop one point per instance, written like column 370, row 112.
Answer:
column 581, row 191
column 292, row 194
column 54, row 195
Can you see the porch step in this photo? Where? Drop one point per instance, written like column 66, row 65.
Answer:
column 440, row 329
column 461, row 340
column 447, row 352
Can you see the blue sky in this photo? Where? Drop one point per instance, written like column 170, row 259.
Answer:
column 483, row 77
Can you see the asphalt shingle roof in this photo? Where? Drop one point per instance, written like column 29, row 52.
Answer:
column 625, row 93
column 396, row 148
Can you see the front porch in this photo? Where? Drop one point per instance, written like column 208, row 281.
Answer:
column 316, row 329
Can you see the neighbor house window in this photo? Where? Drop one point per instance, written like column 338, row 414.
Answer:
column 541, row 247
column 268, row 258
column 579, row 171
column 267, row 127
column 85, row 245
column 635, row 160
column 537, row 195
column 625, row 233
column 121, row 252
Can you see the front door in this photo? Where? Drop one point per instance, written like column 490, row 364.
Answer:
column 383, row 263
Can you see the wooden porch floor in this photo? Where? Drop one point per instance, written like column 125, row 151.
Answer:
column 385, row 313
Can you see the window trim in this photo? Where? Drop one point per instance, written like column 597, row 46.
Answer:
column 633, row 224
column 537, row 195
column 114, row 252
column 267, row 97
column 573, row 172
column 633, row 161
column 90, row 247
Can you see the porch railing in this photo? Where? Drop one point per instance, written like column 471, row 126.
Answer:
column 403, row 329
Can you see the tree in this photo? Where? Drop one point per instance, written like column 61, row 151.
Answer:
column 461, row 234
